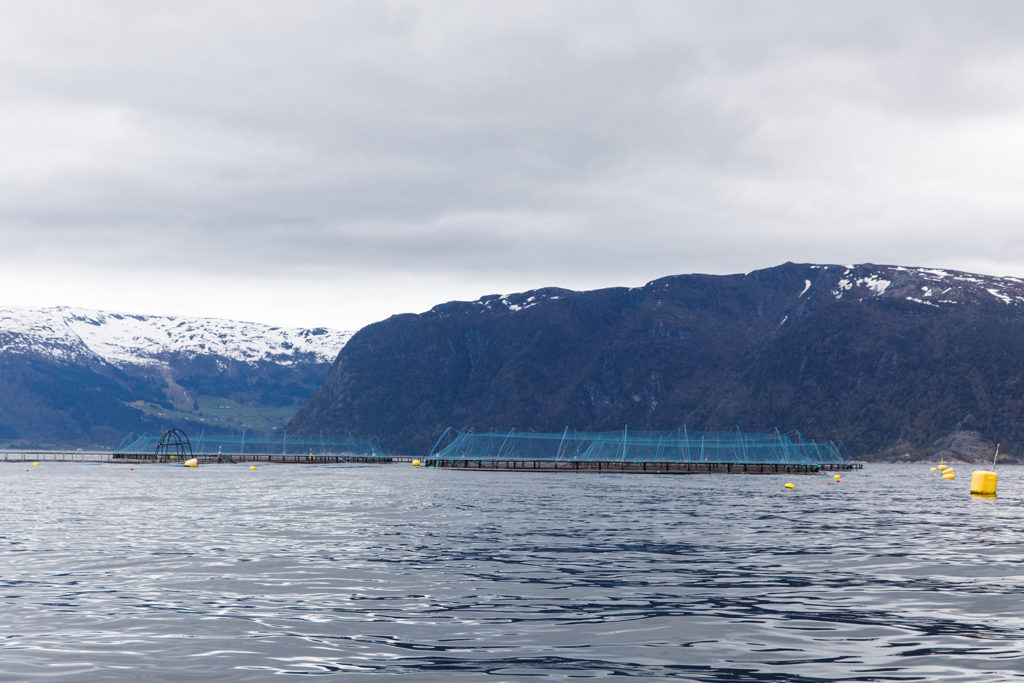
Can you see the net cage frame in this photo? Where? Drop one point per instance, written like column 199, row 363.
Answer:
column 257, row 444
column 626, row 446
column 173, row 444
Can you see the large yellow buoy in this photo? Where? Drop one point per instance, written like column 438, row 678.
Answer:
column 252, row 467
column 191, row 462
column 415, row 463
column 941, row 467
column 790, row 486
column 35, row 464
column 949, row 475
column 983, row 483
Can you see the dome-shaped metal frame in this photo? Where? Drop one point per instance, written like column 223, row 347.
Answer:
column 174, row 445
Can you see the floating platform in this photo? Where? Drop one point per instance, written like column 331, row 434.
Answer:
column 202, row 458
column 206, row 458
column 639, row 467
column 674, row 452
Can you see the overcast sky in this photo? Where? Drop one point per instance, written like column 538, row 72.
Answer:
column 334, row 163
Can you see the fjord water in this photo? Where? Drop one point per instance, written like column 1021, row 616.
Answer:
column 224, row 573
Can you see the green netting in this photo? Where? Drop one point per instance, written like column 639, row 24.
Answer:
column 627, row 446
column 261, row 444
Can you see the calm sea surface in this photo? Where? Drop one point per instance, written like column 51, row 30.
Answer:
column 363, row 573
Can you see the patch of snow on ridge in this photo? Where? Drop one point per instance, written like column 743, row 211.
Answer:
column 124, row 339
column 841, row 286
column 807, row 285
column 875, row 284
column 999, row 295
column 872, row 282
column 934, row 271
column 529, row 302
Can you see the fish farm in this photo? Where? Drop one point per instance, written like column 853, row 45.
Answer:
column 671, row 452
column 175, row 445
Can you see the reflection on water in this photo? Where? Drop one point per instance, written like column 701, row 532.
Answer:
column 225, row 573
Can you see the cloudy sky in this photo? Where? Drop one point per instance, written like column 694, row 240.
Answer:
column 333, row 163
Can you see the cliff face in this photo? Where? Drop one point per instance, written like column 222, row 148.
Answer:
column 879, row 357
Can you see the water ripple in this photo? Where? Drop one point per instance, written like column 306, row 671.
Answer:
column 226, row 574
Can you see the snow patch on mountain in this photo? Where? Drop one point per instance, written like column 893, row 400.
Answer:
column 999, row 295
column 931, row 286
column 872, row 283
column 127, row 339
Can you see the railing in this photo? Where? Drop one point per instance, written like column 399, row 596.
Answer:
column 56, row 456
column 141, row 458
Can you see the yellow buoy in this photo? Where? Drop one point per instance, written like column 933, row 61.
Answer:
column 252, row 467
column 934, row 468
column 983, row 483
column 949, row 475
column 790, row 486
column 191, row 462
column 415, row 463
column 949, row 470
column 836, row 477
column 35, row 464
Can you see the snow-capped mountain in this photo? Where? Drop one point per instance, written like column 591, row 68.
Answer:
column 122, row 339
column 72, row 376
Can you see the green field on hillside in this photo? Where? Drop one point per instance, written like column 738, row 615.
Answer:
column 224, row 414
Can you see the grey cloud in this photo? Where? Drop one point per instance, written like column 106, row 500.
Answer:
column 556, row 143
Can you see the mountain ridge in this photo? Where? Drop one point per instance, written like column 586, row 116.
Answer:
column 880, row 357
column 138, row 339
column 82, row 377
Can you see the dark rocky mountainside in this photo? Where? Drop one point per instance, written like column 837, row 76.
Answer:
column 886, row 359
